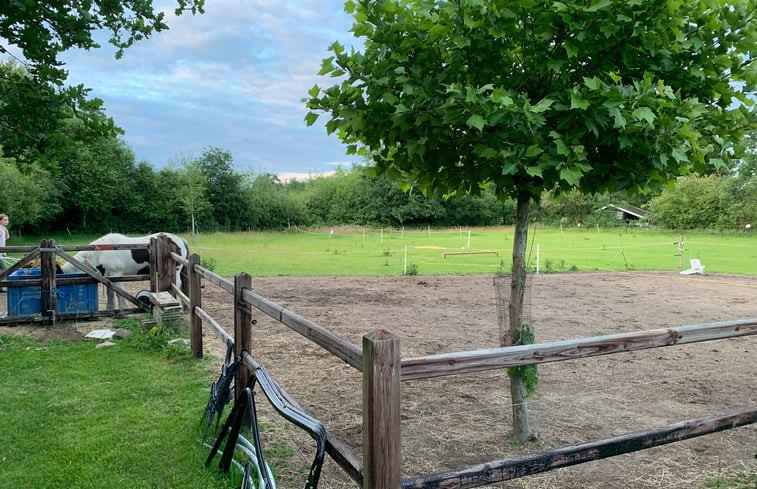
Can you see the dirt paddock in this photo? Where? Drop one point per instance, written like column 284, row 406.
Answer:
column 457, row 421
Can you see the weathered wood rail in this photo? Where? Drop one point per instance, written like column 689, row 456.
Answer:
column 383, row 371
column 514, row 356
column 503, row 470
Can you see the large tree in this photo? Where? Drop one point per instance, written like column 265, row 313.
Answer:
column 528, row 96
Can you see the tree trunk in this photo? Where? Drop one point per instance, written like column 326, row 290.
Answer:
column 524, row 427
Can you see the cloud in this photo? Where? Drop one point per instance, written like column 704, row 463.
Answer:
column 233, row 78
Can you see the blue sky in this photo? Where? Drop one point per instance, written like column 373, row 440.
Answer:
column 232, row 78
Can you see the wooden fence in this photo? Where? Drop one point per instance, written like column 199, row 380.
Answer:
column 161, row 263
column 383, row 370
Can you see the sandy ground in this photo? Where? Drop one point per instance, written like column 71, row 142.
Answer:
column 456, row 421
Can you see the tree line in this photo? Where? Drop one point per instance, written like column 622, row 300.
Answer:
column 101, row 188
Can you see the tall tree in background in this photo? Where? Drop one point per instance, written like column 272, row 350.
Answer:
column 192, row 192
column 33, row 103
column 528, row 96
column 223, row 189
column 94, row 177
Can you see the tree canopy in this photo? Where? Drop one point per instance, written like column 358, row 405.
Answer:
column 531, row 95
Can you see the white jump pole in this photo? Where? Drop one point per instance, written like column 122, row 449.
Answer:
column 381, row 240
column 404, row 266
column 537, row 259
column 468, row 239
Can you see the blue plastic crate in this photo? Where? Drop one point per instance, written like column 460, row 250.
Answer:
column 25, row 300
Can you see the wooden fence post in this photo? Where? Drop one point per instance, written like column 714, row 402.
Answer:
column 153, row 256
column 195, row 300
column 48, row 296
column 242, row 329
column 166, row 270
column 381, row 411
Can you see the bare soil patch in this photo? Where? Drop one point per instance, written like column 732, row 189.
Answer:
column 457, row 421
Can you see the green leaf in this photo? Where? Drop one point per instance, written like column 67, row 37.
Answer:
column 486, row 152
column 313, row 92
column 592, row 83
column 561, row 148
column 598, row 5
column 620, row 121
column 476, row 121
column 500, row 96
column 533, row 150
column 390, row 98
column 555, row 64
column 509, row 168
column 485, row 88
column 679, row 155
column 560, row 7
column 571, row 49
column 644, row 113
column 327, row 66
column 534, row 171
column 543, row 105
column 576, row 102
column 310, row 118
column 571, row 175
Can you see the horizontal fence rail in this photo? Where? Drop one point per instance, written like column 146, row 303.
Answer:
column 334, row 344
column 217, row 328
column 343, row 349
column 513, row 356
column 503, row 470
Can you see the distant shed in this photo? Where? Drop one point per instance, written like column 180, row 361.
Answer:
column 626, row 212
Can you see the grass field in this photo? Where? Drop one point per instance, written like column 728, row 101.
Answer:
column 377, row 252
column 462, row 251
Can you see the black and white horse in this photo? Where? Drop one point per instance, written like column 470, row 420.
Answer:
column 117, row 263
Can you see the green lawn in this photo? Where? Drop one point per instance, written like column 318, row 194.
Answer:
column 393, row 252
column 78, row 417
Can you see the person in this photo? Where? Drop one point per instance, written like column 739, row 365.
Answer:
column 4, row 235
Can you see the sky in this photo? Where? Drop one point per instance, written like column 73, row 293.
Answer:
column 231, row 78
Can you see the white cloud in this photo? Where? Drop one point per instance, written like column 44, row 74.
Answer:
column 233, row 77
